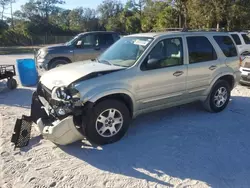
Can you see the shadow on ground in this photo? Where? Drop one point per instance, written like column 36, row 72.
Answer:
column 183, row 142
column 19, row 97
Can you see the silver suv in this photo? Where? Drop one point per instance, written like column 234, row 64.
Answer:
column 138, row 74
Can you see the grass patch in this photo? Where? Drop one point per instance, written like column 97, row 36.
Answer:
column 18, row 50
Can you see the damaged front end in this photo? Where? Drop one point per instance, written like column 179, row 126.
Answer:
column 57, row 115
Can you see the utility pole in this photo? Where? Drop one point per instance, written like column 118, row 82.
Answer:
column 11, row 13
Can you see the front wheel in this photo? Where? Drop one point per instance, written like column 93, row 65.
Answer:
column 11, row 83
column 57, row 63
column 108, row 122
column 219, row 97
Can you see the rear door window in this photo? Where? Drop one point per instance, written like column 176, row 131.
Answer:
column 105, row 39
column 226, row 45
column 200, row 49
column 246, row 38
column 236, row 39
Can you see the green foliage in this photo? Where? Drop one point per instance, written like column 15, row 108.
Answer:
column 45, row 17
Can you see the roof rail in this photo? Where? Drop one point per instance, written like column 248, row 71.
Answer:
column 166, row 29
column 184, row 29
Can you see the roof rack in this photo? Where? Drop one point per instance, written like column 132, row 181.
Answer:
column 166, row 29
column 184, row 29
column 196, row 30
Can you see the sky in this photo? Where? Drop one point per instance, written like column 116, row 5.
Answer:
column 70, row 4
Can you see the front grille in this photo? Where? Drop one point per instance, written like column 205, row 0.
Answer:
column 43, row 92
column 245, row 79
column 247, row 65
column 246, row 70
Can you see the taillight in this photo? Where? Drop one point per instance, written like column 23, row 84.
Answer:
column 240, row 63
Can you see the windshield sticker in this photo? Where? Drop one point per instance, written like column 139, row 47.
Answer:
column 141, row 42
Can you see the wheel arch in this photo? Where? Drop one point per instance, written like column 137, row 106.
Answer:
column 229, row 79
column 126, row 98
column 58, row 58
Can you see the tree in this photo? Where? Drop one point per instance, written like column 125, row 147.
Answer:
column 168, row 18
column 109, row 9
column 83, row 19
column 3, row 4
column 151, row 12
column 181, row 8
column 41, row 8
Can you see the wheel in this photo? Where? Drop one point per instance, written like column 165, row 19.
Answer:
column 108, row 122
column 245, row 53
column 11, row 83
column 219, row 97
column 57, row 63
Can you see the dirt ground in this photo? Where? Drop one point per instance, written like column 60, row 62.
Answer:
column 178, row 147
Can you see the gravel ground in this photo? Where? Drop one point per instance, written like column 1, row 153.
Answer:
column 178, row 147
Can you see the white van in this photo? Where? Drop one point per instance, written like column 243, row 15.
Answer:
column 242, row 41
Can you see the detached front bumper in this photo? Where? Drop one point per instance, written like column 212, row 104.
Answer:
column 61, row 131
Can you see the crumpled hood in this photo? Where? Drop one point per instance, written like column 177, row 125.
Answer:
column 66, row 74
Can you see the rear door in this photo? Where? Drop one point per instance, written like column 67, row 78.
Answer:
column 203, row 64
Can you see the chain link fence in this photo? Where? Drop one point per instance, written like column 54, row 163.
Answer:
column 43, row 40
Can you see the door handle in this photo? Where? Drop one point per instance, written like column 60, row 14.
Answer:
column 178, row 73
column 212, row 67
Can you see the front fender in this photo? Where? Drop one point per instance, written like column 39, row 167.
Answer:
column 97, row 93
column 96, row 97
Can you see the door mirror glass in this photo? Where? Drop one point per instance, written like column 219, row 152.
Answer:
column 79, row 43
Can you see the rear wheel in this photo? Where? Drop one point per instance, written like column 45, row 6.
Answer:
column 219, row 97
column 108, row 122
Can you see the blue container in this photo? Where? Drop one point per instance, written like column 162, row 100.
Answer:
column 27, row 72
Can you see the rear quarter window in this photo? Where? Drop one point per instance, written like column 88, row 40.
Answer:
column 226, row 45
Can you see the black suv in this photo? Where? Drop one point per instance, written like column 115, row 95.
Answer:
column 82, row 47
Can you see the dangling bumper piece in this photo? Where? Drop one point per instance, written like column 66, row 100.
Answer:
column 60, row 131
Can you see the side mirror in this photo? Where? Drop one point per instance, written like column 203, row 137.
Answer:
column 152, row 63
column 97, row 46
column 79, row 43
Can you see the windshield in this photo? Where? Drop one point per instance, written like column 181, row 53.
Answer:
column 125, row 51
column 71, row 41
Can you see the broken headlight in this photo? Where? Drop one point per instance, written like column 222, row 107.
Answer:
column 60, row 93
column 65, row 94
column 66, row 100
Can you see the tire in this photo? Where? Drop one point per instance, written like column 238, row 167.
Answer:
column 100, row 133
column 211, row 104
column 11, row 83
column 57, row 63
